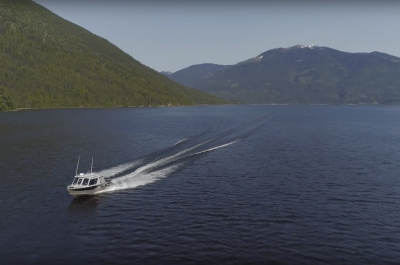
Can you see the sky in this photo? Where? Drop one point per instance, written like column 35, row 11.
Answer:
column 171, row 35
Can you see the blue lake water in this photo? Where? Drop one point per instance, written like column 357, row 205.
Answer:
column 203, row 185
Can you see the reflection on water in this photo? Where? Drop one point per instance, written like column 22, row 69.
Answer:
column 84, row 205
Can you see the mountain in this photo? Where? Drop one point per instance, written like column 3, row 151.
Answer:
column 194, row 74
column 305, row 75
column 165, row 73
column 48, row 62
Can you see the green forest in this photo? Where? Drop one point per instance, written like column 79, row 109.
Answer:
column 48, row 62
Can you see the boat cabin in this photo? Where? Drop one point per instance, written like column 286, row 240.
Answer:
column 83, row 180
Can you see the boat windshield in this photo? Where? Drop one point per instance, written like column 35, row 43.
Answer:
column 93, row 182
column 85, row 181
column 75, row 181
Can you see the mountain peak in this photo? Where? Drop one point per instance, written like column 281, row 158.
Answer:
column 312, row 46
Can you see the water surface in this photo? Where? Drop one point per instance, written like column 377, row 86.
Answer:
column 203, row 185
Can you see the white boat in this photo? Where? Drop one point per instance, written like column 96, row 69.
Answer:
column 87, row 184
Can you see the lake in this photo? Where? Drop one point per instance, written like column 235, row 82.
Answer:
column 203, row 185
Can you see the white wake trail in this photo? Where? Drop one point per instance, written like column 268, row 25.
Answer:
column 140, row 177
column 165, row 160
column 110, row 172
column 180, row 141
column 200, row 152
column 133, row 180
column 214, row 148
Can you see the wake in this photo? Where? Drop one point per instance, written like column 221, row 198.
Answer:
column 111, row 172
column 162, row 164
column 181, row 141
column 156, row 170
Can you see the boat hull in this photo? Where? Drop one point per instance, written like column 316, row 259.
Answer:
column 78, row 192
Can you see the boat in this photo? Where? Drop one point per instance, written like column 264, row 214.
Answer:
column 87, row 184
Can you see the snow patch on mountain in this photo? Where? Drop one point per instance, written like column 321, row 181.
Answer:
column 312, row 46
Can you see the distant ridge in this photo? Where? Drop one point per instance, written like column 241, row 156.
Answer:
column 48, row 62
column 165, row 73
column 303, row 74
column 194, row 74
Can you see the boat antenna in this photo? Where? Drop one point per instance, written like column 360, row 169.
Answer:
column 76, row 174
column 91, row 167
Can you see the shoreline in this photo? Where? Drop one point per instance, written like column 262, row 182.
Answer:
column 200, row 105
column 119, row 107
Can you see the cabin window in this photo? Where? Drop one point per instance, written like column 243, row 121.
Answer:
column 79, row 181
column 85, row 181
column 93, row 182
column 75, row 181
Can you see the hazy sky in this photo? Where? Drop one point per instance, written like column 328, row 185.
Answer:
column 171, row 35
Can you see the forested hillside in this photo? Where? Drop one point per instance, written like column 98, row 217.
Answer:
column 47, row 62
